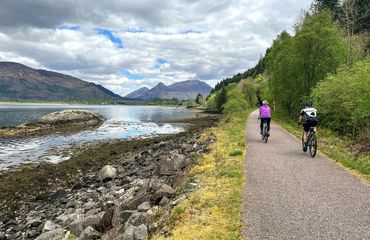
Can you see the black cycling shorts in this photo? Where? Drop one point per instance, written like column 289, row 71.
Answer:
column 308, row 124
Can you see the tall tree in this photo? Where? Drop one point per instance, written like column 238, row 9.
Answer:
column 296, row 64
column 332, row 5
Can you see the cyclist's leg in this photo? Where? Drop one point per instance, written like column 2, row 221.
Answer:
column 261, row 125
column 306, row 128
column 268, row 120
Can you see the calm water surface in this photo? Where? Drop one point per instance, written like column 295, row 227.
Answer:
column 123, row 122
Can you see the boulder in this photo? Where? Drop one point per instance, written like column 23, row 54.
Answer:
column 57, row 234
column 164, row 201
column 136, row 219
column 90, row 234
column 172, row 163
column 145, row 206
column 76, row 227
column 115, row 233
column 164, row 190
column 124, row 216
column 50, row 226
column 129, row 233
column 141, row 232
column 59, row 195
column 107, row 173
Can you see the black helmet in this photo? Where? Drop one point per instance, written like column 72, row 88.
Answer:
column 309, row 103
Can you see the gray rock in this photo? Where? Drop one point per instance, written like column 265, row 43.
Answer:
column 136, row 219
column 145, row 206
column 90, row 234
column 93, row 212
column 78, row 185
column 31, row 234
column 36, row 223
column 71, row 204
column 141, row 232
column 58, row 196
column 76, row 227
column 50, row 226
column 164, row 190
column 115, row 233
column 107, row 173
column 93, row 220
column 164, row 201
column 89, row 205
column 80, row 211
column 129, row 233
column 57, row 234
column 66, row 219
column 125, row 215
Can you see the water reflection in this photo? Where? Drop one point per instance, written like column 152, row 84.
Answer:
column 122, row 122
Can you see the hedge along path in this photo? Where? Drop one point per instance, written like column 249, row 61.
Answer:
column 289, row 195
column 213, row 210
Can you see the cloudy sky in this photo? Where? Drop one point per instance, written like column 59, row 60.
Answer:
column 128, row 44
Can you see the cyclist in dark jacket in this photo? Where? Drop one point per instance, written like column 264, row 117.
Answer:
column 308, row 116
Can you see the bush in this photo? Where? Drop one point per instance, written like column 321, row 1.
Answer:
column 343, row 100
column 235, row 100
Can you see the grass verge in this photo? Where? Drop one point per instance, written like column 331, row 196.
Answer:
column 213, row 210
column 339, row 149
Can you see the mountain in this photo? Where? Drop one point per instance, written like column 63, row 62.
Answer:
column 21, row 83
column 182, row 90
column 137, row 93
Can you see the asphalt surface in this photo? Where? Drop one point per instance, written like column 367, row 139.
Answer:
column 289, row 195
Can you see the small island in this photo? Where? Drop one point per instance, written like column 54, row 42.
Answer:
column 57, row 122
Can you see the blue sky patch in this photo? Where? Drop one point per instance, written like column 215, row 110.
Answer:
column 130, row 75
column 68, row 27
column 160, row 62
column 105, row 32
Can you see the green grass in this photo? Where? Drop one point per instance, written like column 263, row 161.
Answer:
column 213, row 211
column 338, row 148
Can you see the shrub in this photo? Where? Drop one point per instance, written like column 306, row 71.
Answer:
column 343, row 99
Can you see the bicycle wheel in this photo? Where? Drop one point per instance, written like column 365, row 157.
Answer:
column 265, row 134
column 313, row 144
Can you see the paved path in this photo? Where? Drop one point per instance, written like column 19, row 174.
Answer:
column 289, row 195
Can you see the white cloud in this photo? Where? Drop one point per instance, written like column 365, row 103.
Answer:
column 206, row 40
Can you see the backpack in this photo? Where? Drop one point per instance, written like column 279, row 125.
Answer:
column 310, row 114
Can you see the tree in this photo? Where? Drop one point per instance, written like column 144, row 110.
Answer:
column 320, row 49
column 248, row 87
column 296, row 64
column 221, row 100
column 319, row 5
column 354, row 17
column 343, row 100
column 199, row 99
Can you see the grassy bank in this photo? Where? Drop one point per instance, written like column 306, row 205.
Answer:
column 339, row 148
column 213, row 210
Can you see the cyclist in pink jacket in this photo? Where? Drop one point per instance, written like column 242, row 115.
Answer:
column 265, row 115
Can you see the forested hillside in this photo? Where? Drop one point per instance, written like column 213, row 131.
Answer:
column 326, row 60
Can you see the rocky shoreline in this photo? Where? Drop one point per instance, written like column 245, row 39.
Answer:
column 120, row 190
column 56, row 122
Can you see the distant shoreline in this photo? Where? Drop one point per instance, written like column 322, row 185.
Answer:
column 33, row 103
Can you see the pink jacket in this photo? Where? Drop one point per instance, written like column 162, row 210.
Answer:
column 265, row 111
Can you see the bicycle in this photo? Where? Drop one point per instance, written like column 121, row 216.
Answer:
column 265, row 133
column 312, row 141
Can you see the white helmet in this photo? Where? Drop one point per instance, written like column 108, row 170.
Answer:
column 264, row 102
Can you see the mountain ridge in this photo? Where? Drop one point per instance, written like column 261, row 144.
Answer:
column 185, row 90
column 19, row 82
